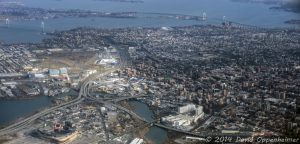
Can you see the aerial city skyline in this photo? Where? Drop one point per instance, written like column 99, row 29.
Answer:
column 149, row 71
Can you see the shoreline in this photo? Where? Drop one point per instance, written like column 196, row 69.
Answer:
column 293, row 22
column 19, row 98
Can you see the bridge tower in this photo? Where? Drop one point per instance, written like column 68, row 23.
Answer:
column 7, row 22
column 43, row 26
column 204, row 16
column 224, row 21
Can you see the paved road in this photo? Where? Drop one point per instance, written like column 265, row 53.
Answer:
column 23, row 123
column 6, row 75
column 84, row 93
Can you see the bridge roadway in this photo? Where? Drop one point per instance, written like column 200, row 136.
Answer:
column 25, row 122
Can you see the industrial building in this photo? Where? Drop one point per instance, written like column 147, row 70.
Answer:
column 137, row 141
column 61, row 73
column 53, row 72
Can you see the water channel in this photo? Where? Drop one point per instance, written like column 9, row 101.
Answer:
column 155, row 134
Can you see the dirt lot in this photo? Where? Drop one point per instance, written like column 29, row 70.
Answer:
column 76, row 61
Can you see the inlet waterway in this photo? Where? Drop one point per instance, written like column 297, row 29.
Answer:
column 12, row 110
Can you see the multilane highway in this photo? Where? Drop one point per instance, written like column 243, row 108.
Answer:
column 84, row 94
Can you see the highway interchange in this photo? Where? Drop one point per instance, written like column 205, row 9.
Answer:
column 27, row 121
column 84, row 94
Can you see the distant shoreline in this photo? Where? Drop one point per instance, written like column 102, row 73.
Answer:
column 293, row 21
column 287, row 5
column 292, row 6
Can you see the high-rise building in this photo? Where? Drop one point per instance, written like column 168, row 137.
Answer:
column 43, row 26
column 224, row 19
